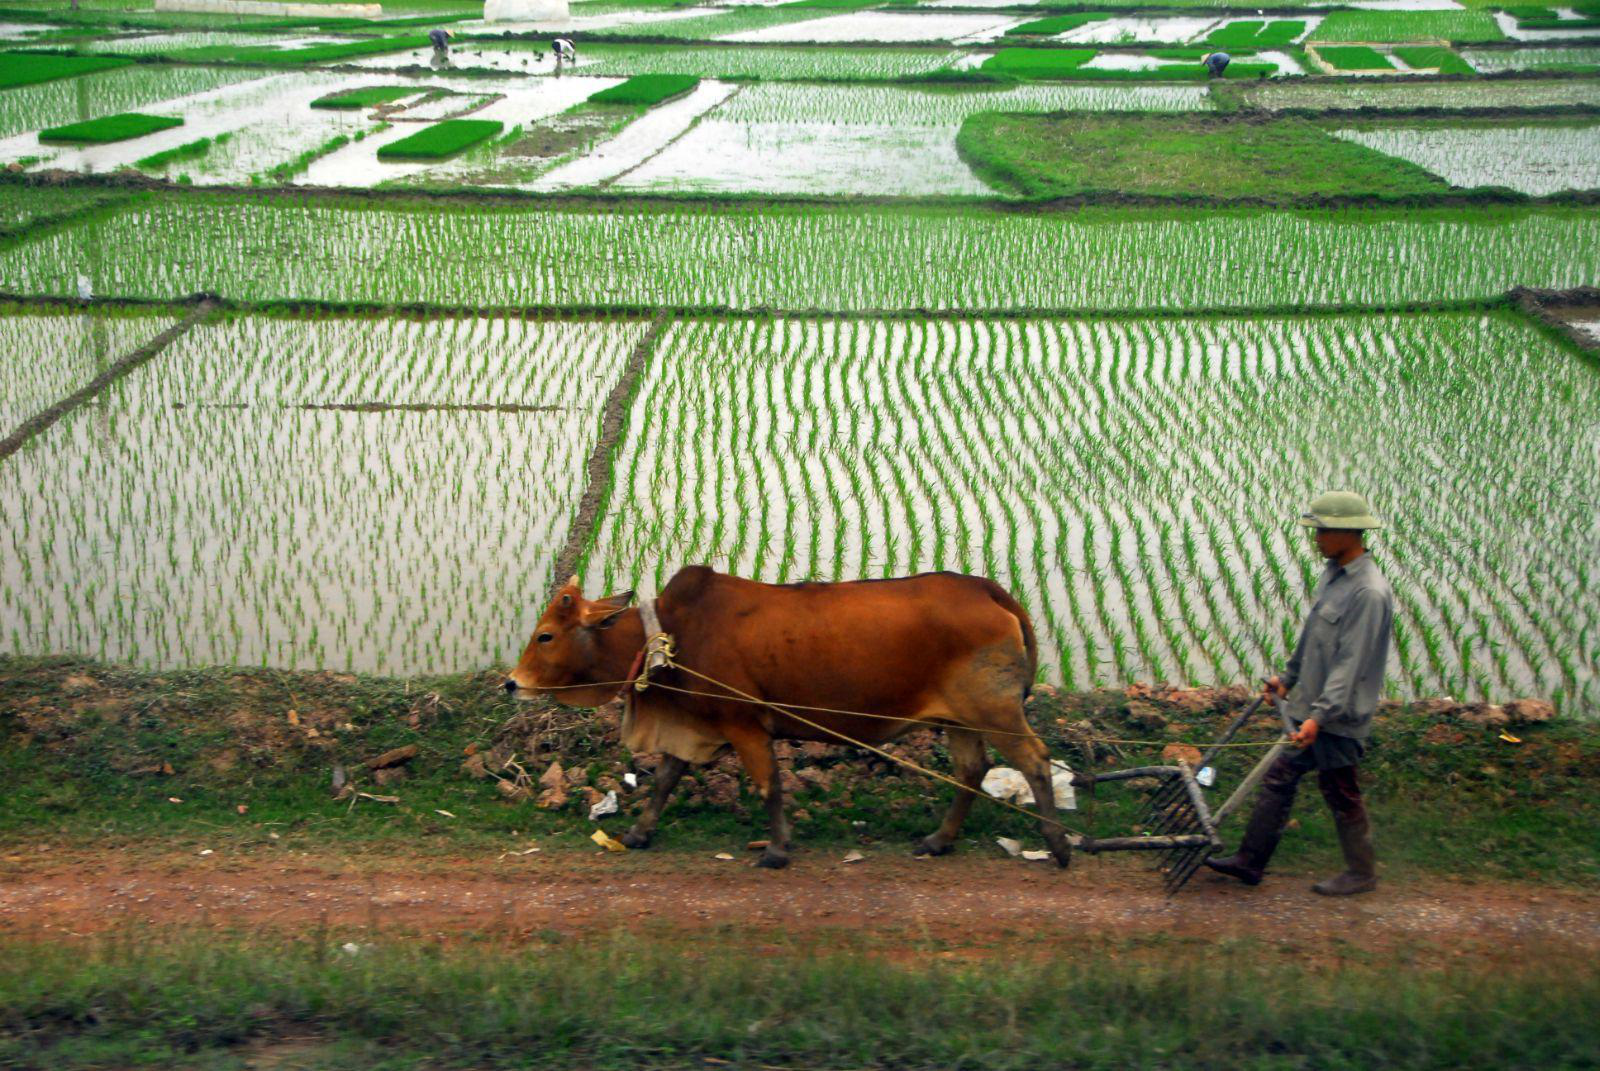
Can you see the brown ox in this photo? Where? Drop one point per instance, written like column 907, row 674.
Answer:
column 939, row 649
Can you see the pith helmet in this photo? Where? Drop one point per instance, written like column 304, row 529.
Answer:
column 1339, row 509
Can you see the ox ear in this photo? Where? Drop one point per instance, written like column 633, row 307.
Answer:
column 603, row 613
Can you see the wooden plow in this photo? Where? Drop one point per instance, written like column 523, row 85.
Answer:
column 1178, row 824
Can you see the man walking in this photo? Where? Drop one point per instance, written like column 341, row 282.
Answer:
column 1331, row 686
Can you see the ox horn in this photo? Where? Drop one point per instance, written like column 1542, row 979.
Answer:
column 572, row 581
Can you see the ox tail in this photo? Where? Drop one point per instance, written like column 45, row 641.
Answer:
column 1030, row 642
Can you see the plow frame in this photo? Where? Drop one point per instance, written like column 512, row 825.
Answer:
column 1178, row 822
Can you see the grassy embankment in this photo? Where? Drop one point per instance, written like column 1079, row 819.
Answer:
column 85, row 749
column 1200, row 156
column 627, row 1001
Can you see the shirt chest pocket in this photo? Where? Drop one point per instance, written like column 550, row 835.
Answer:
column 1325, row 621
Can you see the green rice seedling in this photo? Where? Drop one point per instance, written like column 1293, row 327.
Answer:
column 1431, row 58
column 109, row 128
column 365, row 97
column 189, row 150
column 29, row 68
column 1416, row 94
column 441, row 139
column 1353, row 58
column 324, row 53
column 1574, row 60
column 1038, row 62
column 1056, row 24
column 646, row 90
column 1461, row 27
column 1256, row 34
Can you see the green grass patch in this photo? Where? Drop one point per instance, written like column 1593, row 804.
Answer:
column 29, row 68
column 646, row 89
column 1038, row 62
column 1354, row 58
column 1256, row 34
column 109, row 128
column 1545, row 18
column 189, row 150
column 159, row 997
column 1433, row 57
column 1055, row 24
column 365, row 97
column 1277, row 160
column 441, row 139
column 1455, row 26
column 289, row 57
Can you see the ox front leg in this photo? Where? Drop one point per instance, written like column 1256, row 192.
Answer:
column 1029, row 755
column 754, row 747
column 666, row 779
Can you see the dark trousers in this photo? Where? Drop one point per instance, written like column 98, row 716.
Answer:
column 1334, row 758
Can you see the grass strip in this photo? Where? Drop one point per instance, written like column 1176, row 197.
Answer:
column 1256, row 34
column 647, row 89
column 295, row 56
column 1354, row 58
column 366, row 97
column 30, row 68
column 1433, row 57
column 189, row 150
column 160, row 997
column 441, row 139
column 1060, row 156
column 109, row 128
column 1055, row 24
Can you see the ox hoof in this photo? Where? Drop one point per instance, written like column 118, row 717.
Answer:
column 772, row 860
column 1063, row 857
column 635, row 840
column 929, row 846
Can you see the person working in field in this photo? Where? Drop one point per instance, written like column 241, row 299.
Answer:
column 563, row 51
column 441, row 41
column 1331, row 686
column 1216, row 63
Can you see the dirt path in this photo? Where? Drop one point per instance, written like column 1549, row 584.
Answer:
column 974, row 904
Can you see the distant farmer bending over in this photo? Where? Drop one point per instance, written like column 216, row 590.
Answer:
column 563, row 51
column 1216, row 63
column 1331, row 686
column 440, row 39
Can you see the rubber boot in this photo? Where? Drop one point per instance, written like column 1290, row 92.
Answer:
column 1261, row 836
column 1360, row 862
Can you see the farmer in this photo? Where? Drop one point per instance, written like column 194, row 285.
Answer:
column 1216, row 63
column 563, row 51
column 440, row 38
column 1331, row 687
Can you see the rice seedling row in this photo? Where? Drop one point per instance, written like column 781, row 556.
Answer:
column 1493, row 60
column 834, row 64
column 1530, row 159
column 1419, row 95
column 26, row 68
column 1135, row 481
column 335, row 493
column 51, row 353
column 833, row 258
column 1467, row 27
column 126, row 89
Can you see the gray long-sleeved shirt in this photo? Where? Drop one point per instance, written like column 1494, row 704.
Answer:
column 1336, row 672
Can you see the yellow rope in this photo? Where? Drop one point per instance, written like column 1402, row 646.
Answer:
column 907, row 763
column 882, row 717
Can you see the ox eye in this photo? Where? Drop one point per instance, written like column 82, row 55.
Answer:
column 545, row 637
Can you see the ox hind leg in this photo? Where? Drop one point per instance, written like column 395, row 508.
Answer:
column 969, row 760
column 754, row 748
column 1032, row 759
column 666, row 779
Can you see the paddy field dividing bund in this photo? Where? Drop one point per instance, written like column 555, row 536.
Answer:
column 323, row 356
